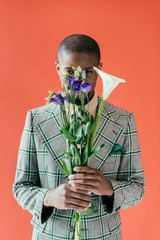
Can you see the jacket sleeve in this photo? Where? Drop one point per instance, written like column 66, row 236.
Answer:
column 26, row 188
column 129, row 187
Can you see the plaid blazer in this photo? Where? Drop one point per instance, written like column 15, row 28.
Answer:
column 39, row 168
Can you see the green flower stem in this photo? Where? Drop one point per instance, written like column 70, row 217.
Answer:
column 96, row 126
column 74, row 110
column 87, row 100
column 78, row 227
column 68, row 116
column 88, row 149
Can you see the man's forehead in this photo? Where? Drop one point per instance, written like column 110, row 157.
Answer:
column 84, row 60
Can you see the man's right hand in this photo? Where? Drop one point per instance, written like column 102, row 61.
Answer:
column 67, row 197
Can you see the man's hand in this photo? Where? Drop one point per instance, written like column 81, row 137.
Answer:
column 94, row 181
column 67, row 197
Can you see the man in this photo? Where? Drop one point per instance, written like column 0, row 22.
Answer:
column 114, row 180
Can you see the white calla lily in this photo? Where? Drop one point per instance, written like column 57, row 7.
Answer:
column 110, row 82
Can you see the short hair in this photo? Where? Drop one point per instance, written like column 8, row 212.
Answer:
column 79, row 43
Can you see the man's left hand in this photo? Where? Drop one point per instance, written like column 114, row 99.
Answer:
column 92, row 180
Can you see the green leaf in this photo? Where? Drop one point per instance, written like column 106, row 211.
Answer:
column 66, row 153
column 77, row 126
column 84, row 155
column 76, row 217
column 65, row 132
column 78, row 113
column 75, row 152
column 67, row 145
column 71, row 129
column 75, row 162
column 78, row 140
column 88, row 128
column 85, row 118
column 90, row 210
column 95, row 150
column 84, row 140
column 92, row 121
column 67, row 166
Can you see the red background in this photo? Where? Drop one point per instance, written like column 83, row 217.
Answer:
column 128, row 36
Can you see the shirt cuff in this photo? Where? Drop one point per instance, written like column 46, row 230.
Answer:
column 107, row 202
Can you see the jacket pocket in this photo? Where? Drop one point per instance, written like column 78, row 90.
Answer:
column 114, row 223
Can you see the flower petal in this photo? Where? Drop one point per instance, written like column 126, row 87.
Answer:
column 109, row 82
column 77, row 86
column 71, row 80
column 84, row 74
column 56, row 100
column 86, row 87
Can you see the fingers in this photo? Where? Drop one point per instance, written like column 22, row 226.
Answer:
column 85, row 169
column 77, row 199
column 75, row 183
column 79, row 202
column 81, row 196
column 81, row 176
column 81, row 187
column 83, row 191
column 76, row 207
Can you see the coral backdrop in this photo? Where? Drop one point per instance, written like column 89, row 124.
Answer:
column 128, row 35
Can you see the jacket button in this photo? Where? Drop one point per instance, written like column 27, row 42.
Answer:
column 70, row 228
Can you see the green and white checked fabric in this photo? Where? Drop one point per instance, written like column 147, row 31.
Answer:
column 39, row 168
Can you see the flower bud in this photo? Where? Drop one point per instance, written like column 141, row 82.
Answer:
column 67, row 105
column 50, row 92
column 74, row 68
column 76, row 73
column 63, row 87
column 54, row 96
column 79, row 69
column 63, row 94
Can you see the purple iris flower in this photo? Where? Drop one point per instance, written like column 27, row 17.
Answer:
column 56, row 100
column 86, row 87
column 59, row 99
column 84, row 74
column 64, row 99
column 77, row 86
column 71, row 80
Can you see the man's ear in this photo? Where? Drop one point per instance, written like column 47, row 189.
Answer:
column 100, row 65
column 57, row 67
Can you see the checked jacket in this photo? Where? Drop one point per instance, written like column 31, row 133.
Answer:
column 39, row 168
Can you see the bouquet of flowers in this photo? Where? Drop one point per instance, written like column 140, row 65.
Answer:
column 80, row 127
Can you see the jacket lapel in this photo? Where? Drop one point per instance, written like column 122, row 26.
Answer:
column 48, row 131
column 109, row 133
